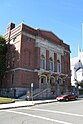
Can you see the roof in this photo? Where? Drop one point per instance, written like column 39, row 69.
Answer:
column 49, row 35
column 52, row 37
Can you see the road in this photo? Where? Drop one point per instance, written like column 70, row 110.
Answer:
column 51, row 113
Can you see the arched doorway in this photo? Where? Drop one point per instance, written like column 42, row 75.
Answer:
column 52, row 80
column 43, row 81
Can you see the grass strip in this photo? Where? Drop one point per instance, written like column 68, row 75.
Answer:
column 5, row 100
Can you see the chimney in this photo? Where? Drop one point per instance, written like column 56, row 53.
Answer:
column 10, row 26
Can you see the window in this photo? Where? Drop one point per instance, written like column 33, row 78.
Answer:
column 14, row 39
column 42, row 62
column 13, row 62
column 12, row 78
column 51, row 64
column 58, row 66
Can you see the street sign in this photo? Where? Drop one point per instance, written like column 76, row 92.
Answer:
column 31, row 85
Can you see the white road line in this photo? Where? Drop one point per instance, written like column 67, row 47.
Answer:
column 59, row 112
column 40, row 117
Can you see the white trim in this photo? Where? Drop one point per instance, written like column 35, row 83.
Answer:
column 28, row 35
column 41, row 42
column 22, row 69
column 44, row 76
column 52, row 77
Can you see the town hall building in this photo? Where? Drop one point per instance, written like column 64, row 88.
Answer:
column 36, row 59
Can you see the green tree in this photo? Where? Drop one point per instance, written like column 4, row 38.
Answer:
column 2, row 57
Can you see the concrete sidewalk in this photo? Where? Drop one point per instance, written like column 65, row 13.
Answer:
column 18, row 104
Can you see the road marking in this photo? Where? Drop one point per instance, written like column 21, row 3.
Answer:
column 59, row 112
column 35, row 116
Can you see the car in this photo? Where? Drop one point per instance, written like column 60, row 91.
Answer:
column 67, row 97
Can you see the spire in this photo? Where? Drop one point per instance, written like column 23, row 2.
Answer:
column 79, row 51
column 82, row 36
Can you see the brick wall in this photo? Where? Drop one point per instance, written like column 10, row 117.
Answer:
column 27, row 52
column 37, row 58
column 65, row 63
column 26, row 78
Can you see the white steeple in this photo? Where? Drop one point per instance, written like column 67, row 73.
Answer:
column 79, row 51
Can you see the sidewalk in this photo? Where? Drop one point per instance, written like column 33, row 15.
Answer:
column 21, row 103
column 80, row 96
column 18, row 104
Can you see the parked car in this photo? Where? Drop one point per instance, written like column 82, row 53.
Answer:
column 67, row 97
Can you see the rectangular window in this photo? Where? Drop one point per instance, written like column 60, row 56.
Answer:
column 51, row 66
column 42, row 63
column 12, row 78
column 58, row 67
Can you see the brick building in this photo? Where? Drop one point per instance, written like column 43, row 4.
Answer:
column 35, row 57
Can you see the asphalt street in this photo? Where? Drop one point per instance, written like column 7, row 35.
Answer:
column 50, row 113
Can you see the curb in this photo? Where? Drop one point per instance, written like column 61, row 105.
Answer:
column 44, row 102
column 33, row 104
column 15, row 107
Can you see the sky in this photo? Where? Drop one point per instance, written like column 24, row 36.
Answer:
column 63, row 17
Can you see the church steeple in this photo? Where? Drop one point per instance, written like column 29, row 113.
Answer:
column 79, row 51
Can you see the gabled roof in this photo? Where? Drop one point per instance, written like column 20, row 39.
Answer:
column 49, row 35
column 42, row 33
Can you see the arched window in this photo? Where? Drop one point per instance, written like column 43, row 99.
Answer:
column 51, row 64
column 42, row 62
column 58, row 66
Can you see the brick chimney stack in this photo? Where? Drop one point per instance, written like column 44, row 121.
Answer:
column 10, row 26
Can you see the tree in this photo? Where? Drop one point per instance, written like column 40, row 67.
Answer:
column 2, row 57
